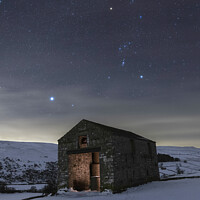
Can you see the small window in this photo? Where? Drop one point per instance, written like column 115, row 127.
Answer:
column 82, row 141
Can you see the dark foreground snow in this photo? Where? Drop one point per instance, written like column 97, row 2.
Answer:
column 17, row 196
column 185, row 189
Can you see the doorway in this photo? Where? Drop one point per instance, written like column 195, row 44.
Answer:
column 84, row 171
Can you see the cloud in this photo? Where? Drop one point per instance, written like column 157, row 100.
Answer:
column 28, row 115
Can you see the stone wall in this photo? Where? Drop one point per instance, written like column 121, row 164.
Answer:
column 135, row 162
column 96, row 137
column 125, row 160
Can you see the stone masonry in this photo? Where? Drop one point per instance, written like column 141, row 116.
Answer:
column 98, row 157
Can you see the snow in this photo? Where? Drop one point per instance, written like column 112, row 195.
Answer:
column 18, row 158
column 26, row 187
column 189, row 164
column 183, row 189
column 17, row 196
column 29, row 151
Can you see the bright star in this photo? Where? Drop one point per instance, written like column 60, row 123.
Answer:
column 111, row 8
column 52, row 98
column 123, row 62
column 141, row 76
column 72, row 105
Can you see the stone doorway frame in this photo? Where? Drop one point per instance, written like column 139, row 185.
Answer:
column 94, row 167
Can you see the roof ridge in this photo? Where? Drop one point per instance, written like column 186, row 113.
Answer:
column 117, row 129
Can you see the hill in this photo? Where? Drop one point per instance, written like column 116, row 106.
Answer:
column 27, row 162
column 188, row 166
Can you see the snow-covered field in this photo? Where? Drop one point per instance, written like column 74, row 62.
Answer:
column 27, row 187
column 17, row 196
column 184, row 189
column 21, row 162
column 189, row 164
column 29, row 151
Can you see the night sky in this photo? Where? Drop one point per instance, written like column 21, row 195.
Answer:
column 131, row 64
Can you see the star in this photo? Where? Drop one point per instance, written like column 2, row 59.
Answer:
column 141, row 76
column 111, row 8
column 140, row 16
column 72, row 105
column 123, row 62
column 52, row 98
column 109, row 77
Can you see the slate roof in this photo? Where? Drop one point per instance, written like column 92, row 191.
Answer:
column 119, row 132
column 115, row 131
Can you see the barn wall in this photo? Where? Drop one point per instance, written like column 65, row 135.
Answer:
column 124, row 161
column 135, row 162
column 62, row 164
column 96, row 138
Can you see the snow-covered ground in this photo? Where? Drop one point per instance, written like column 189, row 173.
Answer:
column 27, row 187
column 189, row 164
column 17, row 196
column 184, row 189
column 174, row 190
column 29, row 151
column 22, row 162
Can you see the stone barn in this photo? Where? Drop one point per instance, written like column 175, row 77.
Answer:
column 93, row 156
